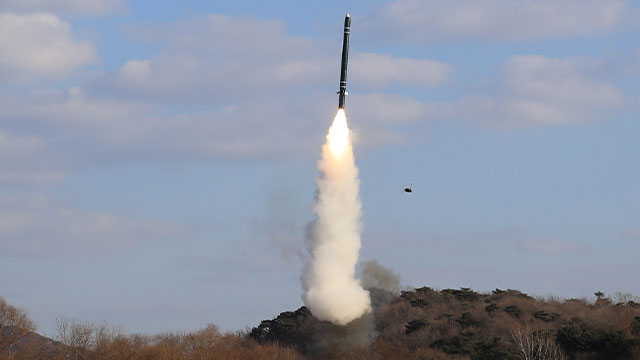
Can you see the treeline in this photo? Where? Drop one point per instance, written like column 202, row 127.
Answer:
column 77, row 340
column 507, row 324
column 418, row 324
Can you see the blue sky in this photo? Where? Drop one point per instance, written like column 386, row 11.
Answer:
column 157, row 160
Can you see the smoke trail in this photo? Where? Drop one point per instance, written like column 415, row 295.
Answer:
column 331, row 290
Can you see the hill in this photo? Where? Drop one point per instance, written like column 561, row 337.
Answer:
column 463, row 324
column 15, row 340
column 419, row 324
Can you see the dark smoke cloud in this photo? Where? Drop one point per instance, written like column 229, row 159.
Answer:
column 374, row 275
column 330, row 339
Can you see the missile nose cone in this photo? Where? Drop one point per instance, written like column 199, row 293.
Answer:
column 348, row 15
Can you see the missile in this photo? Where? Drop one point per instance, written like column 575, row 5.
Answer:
column 345, row 58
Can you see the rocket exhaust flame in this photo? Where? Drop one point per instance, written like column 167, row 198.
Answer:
column 331, row 290
column 338, row 136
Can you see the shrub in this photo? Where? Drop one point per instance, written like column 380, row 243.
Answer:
column 466, row 320
column 415, row 325
column 418, row 303
column 477, row 348
column 635, row 326
column 544, row 316
column 491, row 308
column 464, row 294
column 577, row 337
column 513, row 311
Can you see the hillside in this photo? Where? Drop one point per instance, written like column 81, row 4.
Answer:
column 418, row 324
column 463, row 324
column 28, row 344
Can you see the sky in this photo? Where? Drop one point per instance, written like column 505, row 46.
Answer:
column 158, row 158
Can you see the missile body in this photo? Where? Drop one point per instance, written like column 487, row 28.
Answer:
column 345, row 58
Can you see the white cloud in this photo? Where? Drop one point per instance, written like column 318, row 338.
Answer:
column 259, row 91
column 383, row 119
column 135, row 72
column 389, row 109
column 211, row 33
column 532, row 90
column 561, row 80
column 439, row 20
column 33, row 225
column 526, row 91
column 26, row 159
column 72, row 7
column 117, row 130
column 378, row 71
column 68, row 114
column 49, row 127
column 539, row 89
column 12, row 147
column 43, row 134
column 217, row 58
column 39, row 46
column 199, row 78
column 202, row 61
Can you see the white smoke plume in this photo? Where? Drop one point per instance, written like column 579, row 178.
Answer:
column 331, row 291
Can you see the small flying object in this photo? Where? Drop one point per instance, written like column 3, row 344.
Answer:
column 408, row 189
column 345, row 58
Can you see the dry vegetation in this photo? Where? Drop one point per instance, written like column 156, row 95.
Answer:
column 463, row 324
column 89, row 341
column 420, row 324
column 511, row 325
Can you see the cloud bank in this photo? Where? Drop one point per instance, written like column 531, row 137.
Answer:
column 68, row 7
column 419, row 21
column 31, row 225
column 36, row 46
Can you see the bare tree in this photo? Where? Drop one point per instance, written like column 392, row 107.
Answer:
column 78, row 336
column 105, row 341
column 13, row 316
column 536, row 345
column 14, row 324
